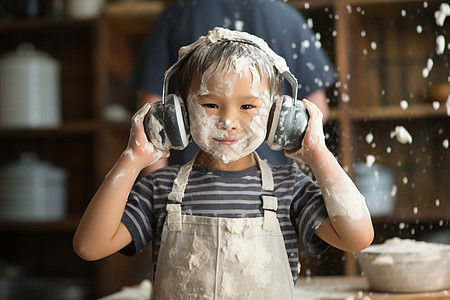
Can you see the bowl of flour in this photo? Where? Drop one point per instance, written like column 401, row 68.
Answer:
column 406, row 266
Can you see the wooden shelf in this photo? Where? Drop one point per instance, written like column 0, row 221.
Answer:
column 70, row 128
column 391, row 112
column 411, row 218
column 132, row 18
column 300, row 4
column 133, row 9
column 43, row 24
column 396, row 112
column 68, row 225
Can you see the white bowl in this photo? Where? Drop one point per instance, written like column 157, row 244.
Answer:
column 406, row 266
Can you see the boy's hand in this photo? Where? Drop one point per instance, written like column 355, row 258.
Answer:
column 314, row 139
column 139, row 148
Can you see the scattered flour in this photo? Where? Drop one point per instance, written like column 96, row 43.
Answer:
column 239, row 25
column 440, row 44
column 441, row 14
column 129, row 152
column 437, row 202
column 119, row 176
column 404, row 104
column 445, row 143
column 447, row 105
column 426, row 71
column 369, row 138
column 419, row 29
column 383, row 260
column 394, row 190
column 370, row 160
column 436, row 105
column 398, row 246
column 402, row 135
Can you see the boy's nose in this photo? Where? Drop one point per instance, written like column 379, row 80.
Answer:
column 227, row 124
column 228, row 120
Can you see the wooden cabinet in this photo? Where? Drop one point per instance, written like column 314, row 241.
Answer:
column 44, row 249
column 380, row 49
column 95, row 58
column 390, row 74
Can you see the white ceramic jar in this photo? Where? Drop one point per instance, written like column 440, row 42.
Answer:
column 84, row 8
column 32, row 190
column 29, row 89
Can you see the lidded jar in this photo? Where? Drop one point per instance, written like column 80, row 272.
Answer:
column 29, row 89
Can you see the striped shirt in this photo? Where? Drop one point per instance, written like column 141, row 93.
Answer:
column 228, row 194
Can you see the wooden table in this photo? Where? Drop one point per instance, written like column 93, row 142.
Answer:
column 310, row 288
column 354, row 288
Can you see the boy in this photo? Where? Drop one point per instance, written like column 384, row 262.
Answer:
column 226, row 224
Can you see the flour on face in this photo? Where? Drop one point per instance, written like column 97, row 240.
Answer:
column 246, row 129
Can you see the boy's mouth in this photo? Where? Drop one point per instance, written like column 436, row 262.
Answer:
column 227, row 142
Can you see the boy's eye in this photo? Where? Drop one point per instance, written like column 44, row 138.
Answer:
column 210, row 105
column 246, row 106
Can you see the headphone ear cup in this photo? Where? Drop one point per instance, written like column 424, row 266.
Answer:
column 166, row 125
column 154, row 127
column 297, row 129
column 176, row 122
column 287, row 124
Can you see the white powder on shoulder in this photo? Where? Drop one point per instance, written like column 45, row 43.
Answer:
column 344, row 200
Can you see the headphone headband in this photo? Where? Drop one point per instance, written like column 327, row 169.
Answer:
column 221, row 34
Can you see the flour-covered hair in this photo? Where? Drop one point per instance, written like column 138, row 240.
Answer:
column 225, row 56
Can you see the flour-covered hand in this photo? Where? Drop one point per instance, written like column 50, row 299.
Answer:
column 139, row 148
column 314, row 139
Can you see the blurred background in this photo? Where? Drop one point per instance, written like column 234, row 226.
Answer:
column 65, row 107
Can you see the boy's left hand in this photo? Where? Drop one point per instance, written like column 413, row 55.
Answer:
column 314, row 139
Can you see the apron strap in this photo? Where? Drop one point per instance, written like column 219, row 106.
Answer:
column 173, row 218
column 266, row 174
column 180, row 182
column 269, row 208
column 269, row 203
column 176, row 196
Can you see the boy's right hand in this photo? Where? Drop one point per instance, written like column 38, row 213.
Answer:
column 139, row 149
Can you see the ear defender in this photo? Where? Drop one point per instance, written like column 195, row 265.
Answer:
column 287, row 124
column 167, row 125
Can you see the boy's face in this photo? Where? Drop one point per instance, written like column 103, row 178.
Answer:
column 229, row 112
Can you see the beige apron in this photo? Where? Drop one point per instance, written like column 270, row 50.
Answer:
column 222, row 258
